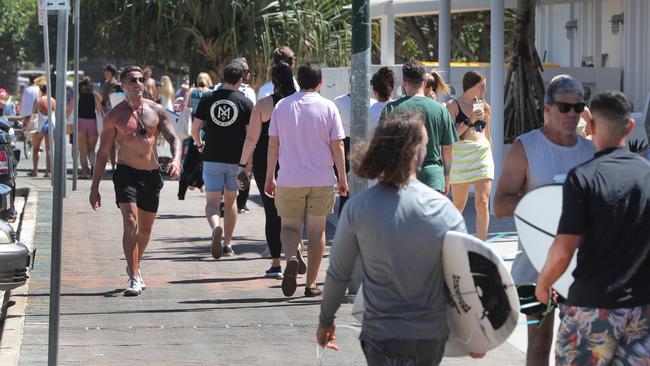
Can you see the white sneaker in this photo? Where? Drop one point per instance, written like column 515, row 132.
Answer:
column 135, row 288
column 142, row 284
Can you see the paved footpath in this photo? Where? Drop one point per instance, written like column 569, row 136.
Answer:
column 195, row 311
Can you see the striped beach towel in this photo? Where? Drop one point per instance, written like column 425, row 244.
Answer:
column 472, row 161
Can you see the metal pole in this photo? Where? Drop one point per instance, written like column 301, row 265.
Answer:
column 360, row 92
column 572, row 41
column 48, row 75
column 388, row 39
column 75, row 116
column 59, row 187
column 598, row 33
column 497, row 80
column 444, row 40
column 360, row 88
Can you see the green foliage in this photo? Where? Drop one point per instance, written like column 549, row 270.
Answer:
column 208, row 33
column 416, row 37
column 18, row 20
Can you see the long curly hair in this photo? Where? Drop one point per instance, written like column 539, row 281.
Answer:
column 388, row 155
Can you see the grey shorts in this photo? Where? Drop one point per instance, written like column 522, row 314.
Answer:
column 522, row 270
column 220, row 176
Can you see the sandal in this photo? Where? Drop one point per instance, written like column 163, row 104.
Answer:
column 46, row 175
column 32, row 174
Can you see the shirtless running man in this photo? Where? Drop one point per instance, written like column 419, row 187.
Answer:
column 134, row 125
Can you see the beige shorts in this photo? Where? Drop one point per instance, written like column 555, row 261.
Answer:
column 292, row 203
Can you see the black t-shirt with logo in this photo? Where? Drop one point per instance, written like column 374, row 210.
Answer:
column 225, row 114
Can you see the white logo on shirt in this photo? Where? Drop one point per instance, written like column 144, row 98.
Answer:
column 224, row 112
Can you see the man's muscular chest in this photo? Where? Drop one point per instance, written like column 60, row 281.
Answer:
column 134, row 121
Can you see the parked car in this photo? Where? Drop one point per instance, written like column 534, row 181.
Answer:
column 15, row 257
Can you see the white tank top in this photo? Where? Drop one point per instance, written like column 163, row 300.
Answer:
column 42, row 118
column 549, row 162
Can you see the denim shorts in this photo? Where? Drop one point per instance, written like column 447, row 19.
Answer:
column 220, row 176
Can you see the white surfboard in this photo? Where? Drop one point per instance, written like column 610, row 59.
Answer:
column 537, row 217
column 483, row 305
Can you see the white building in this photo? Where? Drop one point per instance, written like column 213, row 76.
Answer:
column 603, row 34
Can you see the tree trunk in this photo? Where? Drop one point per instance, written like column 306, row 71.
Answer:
column 418, row 35
column 524, row 94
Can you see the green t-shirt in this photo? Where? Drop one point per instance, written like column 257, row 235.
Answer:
column 440, row 129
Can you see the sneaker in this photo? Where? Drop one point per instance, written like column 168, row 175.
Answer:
column 289, row 277
column 302, row 266
column 216, row 242
column 134, row 288
column 244, row 210
column 139, row 276
column 274, row 272
column 313, row 291
column 228, row 251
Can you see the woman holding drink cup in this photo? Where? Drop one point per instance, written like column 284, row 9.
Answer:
column 472, row 160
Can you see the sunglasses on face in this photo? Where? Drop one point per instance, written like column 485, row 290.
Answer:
column 566, row 107
column 140, row 79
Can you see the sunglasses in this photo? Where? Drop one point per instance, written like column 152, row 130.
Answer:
column 566, row 107
column 133, row 80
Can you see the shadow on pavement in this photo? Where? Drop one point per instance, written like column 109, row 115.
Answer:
column 112, row 293
column 175, row 217
column 253, row 300
column 215, row 280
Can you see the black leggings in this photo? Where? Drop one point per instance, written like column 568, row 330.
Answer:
column 272, row 225
column 242, row 198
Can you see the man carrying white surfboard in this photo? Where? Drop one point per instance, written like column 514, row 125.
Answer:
column 397, row 228
column 537, row 158
column 605, row 213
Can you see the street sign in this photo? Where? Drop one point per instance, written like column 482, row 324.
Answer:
column 57, row 4
column 41, row 12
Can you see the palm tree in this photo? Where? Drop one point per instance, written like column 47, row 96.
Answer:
column 524, row 94
column 314, row 29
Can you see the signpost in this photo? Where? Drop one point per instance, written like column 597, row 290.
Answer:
column 59, row 175
column 75, row 117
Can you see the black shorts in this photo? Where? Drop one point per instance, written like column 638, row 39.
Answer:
column 139, row 186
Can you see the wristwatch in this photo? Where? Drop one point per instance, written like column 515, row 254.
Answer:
column 468, row 123
column 242, row 165
column 199, row 146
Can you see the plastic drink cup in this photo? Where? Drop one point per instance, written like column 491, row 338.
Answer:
column 477, row 106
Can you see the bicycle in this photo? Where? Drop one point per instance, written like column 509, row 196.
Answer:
column 22, row 136
column 26, row 138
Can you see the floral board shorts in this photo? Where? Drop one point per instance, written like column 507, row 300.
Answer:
column 592, row 336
